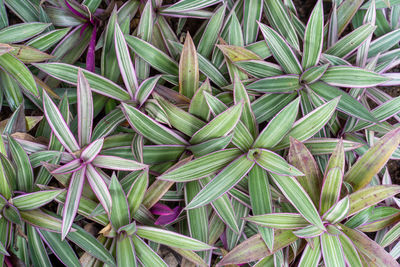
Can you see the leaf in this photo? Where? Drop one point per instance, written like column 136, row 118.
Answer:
column 272, row 162
column 124, row 61
column 314, row 36
column 188, row 69
column 369, row 248
column 330, row 189
column 391, row 235
column 58, row 124
column 42, row 220
column 198, row 104
column 85, row 110
column 276, row 84
column 35, row 200
column 248, row 118
column 259, row 68
column 299, row 198
column 99, row 187
column 48, row 39
column 28, row 54
column 347, row 103
column 119, row 215
column 24, row 169
column 370, row 196
column 189, row 5
column 344, row 76
column 350, row 251
column 311, row 255
column 68, row 73
column 252, row 13
column 362, row 172
column 310, row 124
column 254, row 248
column 300, row 157
column 36, row 248
column 220, row 126
column 117, row 163
column 17, row 70
column 221, row 183
column 171, row 239
column 145, row 254
column 278, row 127
column 21, row 32
column 338, row 211
column 332, row 251
column 137, row 191
column 145, row 89
column 281, row 50
column 72, row 200
column 237, row 53
column 155, row 57
column 151, row 129
column 313, row 74
column 145, row 31
column 279, row 220
column 309, row 231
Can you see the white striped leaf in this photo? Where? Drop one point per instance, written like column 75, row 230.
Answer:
column 276, row 84
column 293, row 191
column 85, row 110
column 330, row 189
column 92, row 150
column 221, row 183
column 35, row 200
column 125, row 251
column 145, row 254
column 338, row 211
column 99, row 187
column 119, row 215
column 201, row 167
column 309, row 231
column 184, row 6
column 311, row 255
column 145, row 89
column 350, row 252
column 332, row 251
column 198, row 104
column 281, row 50
column 20, row 32
column 313, row 37
column 42, row 220
column 150, row 129
column 391, row 235
column 239, row 94
column 37, row 250
column 188, row 69
column 279, row 220
column 251, row 14
column 313, row 74
column 117, row 163
column 145, row 32
column 171, row 239
column 24, row 169
column 259, row 69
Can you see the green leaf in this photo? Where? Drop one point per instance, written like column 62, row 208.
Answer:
column 391, row 235
column 12, row 214
column 347, row 103
column 279, row 220
column 42, row 220
column 198, row 104
column 259, row 68
column 313, row 74
column 99, row 187
column 237, row 53
column 310, row 124
column 28, row 54
column 314, row 37
column 332, row 251
column 119, row 215
column 19, row 72
column 309, row 231
column 362, row 172
column 298, row 198
column 35, row 200
column 155, row 57
column 188, row 69
column 58, row 124
column 68, row 73
column 331, row 189
column 248, row 118
column 311, row 255
column 278, row 127
column 272, row 162
column 48, row 39
column 344, row 76
column 189, row 5
column 151, row 129
column 281, row 51
column 36, row 248
column 251, row 14
column 21, row 32
column 350, row 251
column 220, row 126
column 145, row 31
column 24, row 169
column 221, row 183
column 145, row 254
column 276, row 84
column 171, row 239
column 85, row 110
column 338, row 211
column 117, row 163
column 108, row 61
column 137, row 191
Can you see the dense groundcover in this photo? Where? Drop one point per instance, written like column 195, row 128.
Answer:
column 199, row 133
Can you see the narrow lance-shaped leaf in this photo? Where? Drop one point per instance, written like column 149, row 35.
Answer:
column 117, row 163
column 331, row 189
column 188, row 5
column 99, row 187
column 119, row 215
column 332, row 251
column 22, row 31
column 198, row 105
column 125, row 251
column 251, row 14
column 36, row 248
column 311, row 255
column 338, row 211
column 137, row 191
column 24, row 168
column 188, row 69
column 221, row 183
column 281, row 51
column 248, row 118
column 279, row 220
column 362, row 172
column 145, row 254
column 85, row 110
column 314, row 36
column 145, row 31
column 299, row 198
column 350, row 251
column 35, row 200
column 124, row 61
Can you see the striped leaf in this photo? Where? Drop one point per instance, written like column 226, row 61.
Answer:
column 108, row 61
column 198, row 105
column 24, row 169
column 42, row 220
column 221, row 183
column 124, row 61
column 36, row 248
column 137, row 191
column 311, row 255
column 119, row 215
column 350, row 252
column 155, row 57
column 313, row 74
column 68, row 73
column 279, row 220
column 58, row 124
column 35, row 200
column 251, row 14
column 276, row 84
column 188, row 69
column 391, row 235
column 85, row 110
column 149, row 128
column 145, row 31
column 19, row 72
column 248, row 118
column 201, row 167
column 91, row 151
column 344, row 76
column 281, row 50
column 237, row 53
column 332, row 251
column 145, row 254
column 259, row 69
column 309, row 231
column 72, row 200
column 21, row 32
column 278, row 127
column 314, row 37
column 125, row 251
column 48, row 39
column 272, row 162
column 171, row 239
column 330, row 189
column 299, row 198
column 99, row 187
column 362, row 172
column 146, row 88
column 117, row 163
column 189, row 5
column 338, row 211
column 310, row 124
